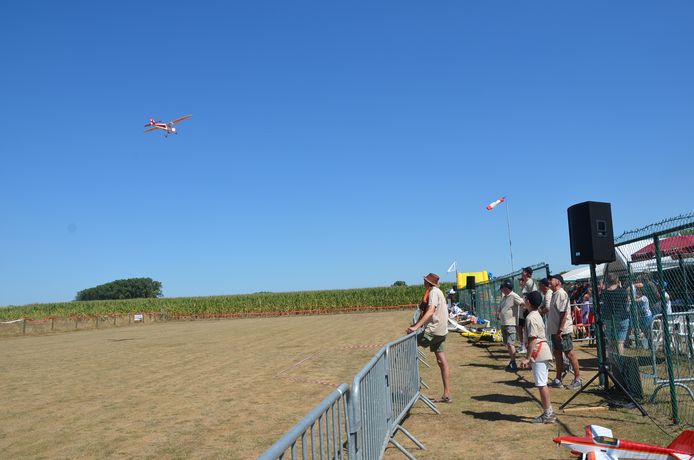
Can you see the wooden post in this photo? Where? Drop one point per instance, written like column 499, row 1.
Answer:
column 24, row 326
column 52, row 321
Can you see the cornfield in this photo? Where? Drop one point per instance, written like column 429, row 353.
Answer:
column 244, row 303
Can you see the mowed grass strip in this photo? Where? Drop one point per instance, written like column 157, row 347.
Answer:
column 242, row 303
column 202, row 389
column 230, row 389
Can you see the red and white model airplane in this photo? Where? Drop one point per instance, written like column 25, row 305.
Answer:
column 598, row 444
column 168, row 128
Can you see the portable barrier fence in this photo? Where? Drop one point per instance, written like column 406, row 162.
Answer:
column 647, row 308
column 382, row 394
column 321, row 434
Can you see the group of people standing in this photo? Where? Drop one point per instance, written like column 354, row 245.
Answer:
column 520, row 317
column 618, row 314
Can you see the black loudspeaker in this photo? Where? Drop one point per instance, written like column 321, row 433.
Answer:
column 590, row 233
column 470, row 282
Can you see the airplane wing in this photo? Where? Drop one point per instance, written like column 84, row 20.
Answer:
column 180, row 119
column 150, row 129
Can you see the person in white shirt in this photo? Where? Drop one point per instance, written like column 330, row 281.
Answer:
column 539, row 354
column 434, row 320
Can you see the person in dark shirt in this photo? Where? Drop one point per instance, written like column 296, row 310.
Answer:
column 615, row 312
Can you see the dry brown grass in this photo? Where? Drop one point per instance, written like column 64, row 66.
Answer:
column 229, row 389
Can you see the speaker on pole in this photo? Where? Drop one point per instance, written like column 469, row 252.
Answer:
column 590, row 233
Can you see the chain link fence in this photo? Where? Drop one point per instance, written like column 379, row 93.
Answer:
column 486, row 296
column 646, row 307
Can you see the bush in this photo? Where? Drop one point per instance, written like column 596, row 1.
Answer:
column 133, row 288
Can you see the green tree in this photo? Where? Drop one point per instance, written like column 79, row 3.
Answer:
column 399, row 283
column 132, row 288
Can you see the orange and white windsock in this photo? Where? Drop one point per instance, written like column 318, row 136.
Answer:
column 493, row 205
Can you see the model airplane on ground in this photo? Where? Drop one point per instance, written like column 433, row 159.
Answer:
column 598, row 444
column 168, row 128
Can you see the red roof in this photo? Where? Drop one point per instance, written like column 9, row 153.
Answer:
column 673, row 246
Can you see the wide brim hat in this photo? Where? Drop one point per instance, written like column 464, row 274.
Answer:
column 432, row 278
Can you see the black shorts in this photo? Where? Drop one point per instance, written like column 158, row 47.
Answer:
column 563, row 343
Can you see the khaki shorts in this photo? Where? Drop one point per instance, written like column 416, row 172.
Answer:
column 565, row 344
column 434, row 342
column 508, row 333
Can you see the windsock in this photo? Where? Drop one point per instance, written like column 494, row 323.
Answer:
column 491, row 206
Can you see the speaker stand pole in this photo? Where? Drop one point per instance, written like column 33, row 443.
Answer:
column 603, row 365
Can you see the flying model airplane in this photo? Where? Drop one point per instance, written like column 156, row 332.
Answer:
column 598, row 444
column 168, row 128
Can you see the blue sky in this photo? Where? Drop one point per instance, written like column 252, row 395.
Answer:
column 332, row 145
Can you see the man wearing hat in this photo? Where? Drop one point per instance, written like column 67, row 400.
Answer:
column 508, row 312
column 527, row 285
column 560, row 329
column 434, row 320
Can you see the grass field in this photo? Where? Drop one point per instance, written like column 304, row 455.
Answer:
column 229, row 389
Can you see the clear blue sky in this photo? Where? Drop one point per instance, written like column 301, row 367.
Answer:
column 332, row 144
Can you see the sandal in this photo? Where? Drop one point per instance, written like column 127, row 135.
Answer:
column 443, row 399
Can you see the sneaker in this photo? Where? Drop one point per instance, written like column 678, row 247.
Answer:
column 575, row 385
column 556, row 383
column 522, row 350
column 512, row 366
column 544, row 418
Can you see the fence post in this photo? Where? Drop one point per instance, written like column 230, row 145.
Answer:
column 666, row 332
column 24, row 326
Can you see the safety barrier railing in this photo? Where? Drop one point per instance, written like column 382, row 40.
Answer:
column 382, row 394
column 322, row 433
column 680, row 327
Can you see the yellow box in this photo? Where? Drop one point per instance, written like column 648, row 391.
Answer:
column 479, row 277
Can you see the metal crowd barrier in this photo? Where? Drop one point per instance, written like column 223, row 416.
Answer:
column 680, row 327
column 321, row 434
column 382, row 394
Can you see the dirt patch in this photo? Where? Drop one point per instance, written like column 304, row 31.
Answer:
column 211, row 389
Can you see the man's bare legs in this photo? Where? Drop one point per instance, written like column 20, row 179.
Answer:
column 445, row 373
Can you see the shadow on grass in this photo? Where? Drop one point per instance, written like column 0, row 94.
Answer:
column 506, row 399
column 588, row 364
column 495, row 416
column 489, row 366
column 518, row 382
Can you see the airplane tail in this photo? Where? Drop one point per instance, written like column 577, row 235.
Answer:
column 684, row 442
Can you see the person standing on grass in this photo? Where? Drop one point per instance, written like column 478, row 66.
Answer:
column 560, row 326
column 434, row 320
column 527, row 285
column 508, row 312
column 539, row 354
column 546, row 296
